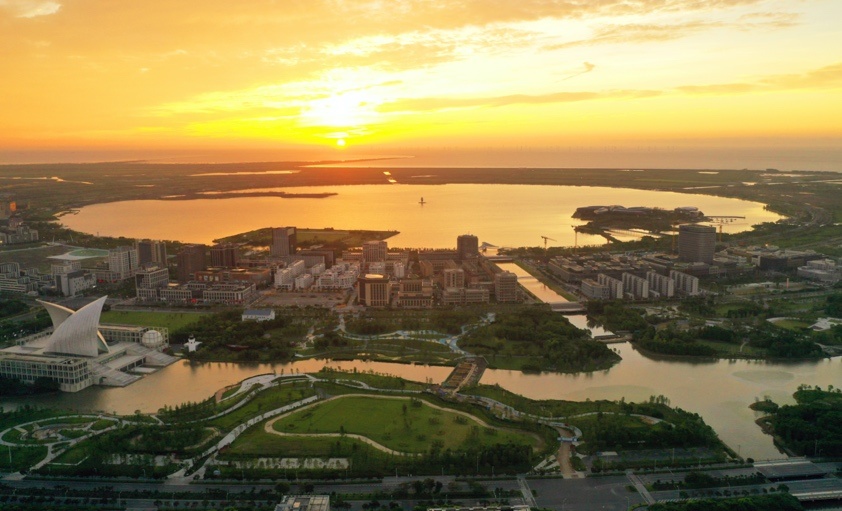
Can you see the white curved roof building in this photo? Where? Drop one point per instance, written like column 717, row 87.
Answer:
column 76, row 333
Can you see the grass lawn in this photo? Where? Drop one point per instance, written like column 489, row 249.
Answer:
column 73, row 455
column 171, row 320
column 256, row 442
column 792, row 324
column 102, row 424
column 22, row 457
column 264, row 401
column 399, row 424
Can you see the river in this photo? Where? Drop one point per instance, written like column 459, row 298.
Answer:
column 503, row 215
column 720, row 391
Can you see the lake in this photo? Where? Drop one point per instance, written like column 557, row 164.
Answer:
column 503, row 215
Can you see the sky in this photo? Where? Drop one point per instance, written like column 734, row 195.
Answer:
column 400, row 76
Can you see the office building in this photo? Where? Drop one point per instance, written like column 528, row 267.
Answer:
column 696, row 243
column 149, row 281
column 283, row 241
column 327, row 255
column 505, row 287
column 375, row 251
column 151, row 252
column 225, row 255
column 122, row 263
column 453, row 277
column 190, row 259
column 467, row 247
column 373, row 290
column 415, row 294
column 593, row 290
column 464, row 296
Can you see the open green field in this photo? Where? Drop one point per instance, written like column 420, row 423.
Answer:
column 400, row 424
column 256, row 442
column 264, row 401
column 171, row 320
column 792, row 324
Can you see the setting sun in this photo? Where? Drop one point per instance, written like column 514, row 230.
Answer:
column 341, row 142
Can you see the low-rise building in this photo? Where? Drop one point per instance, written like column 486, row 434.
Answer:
column 258, row 315
column 593, row 290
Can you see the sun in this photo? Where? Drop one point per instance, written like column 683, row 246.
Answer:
column 340, row 142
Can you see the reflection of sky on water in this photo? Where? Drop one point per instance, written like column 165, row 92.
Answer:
column 503, row 215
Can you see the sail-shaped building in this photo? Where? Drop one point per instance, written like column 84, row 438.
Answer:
column 78, row 351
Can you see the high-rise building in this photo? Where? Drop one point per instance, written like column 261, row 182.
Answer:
column 122, row 262
column 467, row 246
column 151, row 252
column 375, row 251
column 283, row 241
column 696, row 243
column 190, row 259
column 225, row 255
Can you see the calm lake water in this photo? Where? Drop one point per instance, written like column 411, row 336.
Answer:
column 503, row 215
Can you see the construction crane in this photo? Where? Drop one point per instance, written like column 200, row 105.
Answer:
column 546, row 239
column 721, row 220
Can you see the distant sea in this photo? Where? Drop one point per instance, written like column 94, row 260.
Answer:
column 825, row 158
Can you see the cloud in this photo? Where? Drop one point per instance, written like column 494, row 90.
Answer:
column 824, row 77
column 30, row 8
column 428, row 104
column 588, row 68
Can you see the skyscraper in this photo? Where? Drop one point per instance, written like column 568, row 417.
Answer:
column 190, row 259
column 283, row 241
column 696, row 243
column 467, row 246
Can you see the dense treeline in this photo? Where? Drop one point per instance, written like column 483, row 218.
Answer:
column 777, row 502
column 225, row 336
column 10, row 387
column 813, row 426
column 545, row 336
column 616, row 316
column 611, row 431
column 16, row 329
column 12, row 307
column 774, row 341
column 448, row 321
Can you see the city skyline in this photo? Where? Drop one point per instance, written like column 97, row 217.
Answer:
column 345, row 80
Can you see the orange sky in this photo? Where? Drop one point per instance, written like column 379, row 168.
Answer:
column 373, row 74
